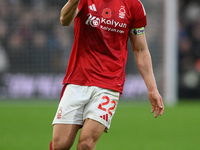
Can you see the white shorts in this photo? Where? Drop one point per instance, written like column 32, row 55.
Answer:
column 81, row 102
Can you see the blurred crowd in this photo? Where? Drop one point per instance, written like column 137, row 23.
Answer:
column 31, row 36
column 189, row 48
column 34, row 41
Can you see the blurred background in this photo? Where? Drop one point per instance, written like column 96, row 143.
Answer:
column 35, row 48
column 34, row 53
column 189, row 49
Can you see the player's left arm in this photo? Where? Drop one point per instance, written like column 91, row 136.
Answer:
column 144, row 63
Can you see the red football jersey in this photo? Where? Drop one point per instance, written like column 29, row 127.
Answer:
column 99, row 52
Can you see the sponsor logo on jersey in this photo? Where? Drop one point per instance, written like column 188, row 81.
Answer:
column 93, row 20
column 105, row 24
column 92, row 7
column 122, row 12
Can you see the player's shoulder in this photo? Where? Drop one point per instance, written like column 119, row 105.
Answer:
column 136, row 2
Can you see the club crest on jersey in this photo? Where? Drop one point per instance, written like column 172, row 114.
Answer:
column 122, row 12
column 107, row 13
column 59, row 113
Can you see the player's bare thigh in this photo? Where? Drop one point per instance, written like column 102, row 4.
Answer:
column 90, row 134
column 64, row 135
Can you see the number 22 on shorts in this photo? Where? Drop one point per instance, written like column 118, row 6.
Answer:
column 101, row 106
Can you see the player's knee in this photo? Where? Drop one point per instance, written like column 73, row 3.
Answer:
column 59, row 144
column 86, row 145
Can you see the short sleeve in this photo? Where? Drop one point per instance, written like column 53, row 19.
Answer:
column 138, row 15
column 80, row 5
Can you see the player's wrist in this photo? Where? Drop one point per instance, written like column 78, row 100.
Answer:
column 152, row 90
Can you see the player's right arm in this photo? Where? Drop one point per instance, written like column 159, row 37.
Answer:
column 69, row 12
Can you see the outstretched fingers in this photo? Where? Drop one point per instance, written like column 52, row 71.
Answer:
column 156, row 103
column 159, row 108
column 152, row 109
